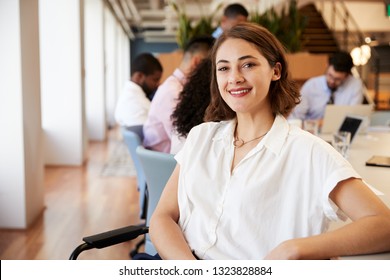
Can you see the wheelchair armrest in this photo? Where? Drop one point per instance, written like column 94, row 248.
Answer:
column 109, row 238
column 115, row 236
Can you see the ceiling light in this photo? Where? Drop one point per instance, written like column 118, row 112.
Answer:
column 361, row 55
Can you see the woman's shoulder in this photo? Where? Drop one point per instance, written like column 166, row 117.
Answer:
column 212, row 127
column 200, row 139
column 211, row 130
column 308, row 143
column 297, row 134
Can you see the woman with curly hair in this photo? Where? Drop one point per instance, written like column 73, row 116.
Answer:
column 192, row 104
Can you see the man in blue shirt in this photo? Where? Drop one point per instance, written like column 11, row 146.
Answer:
column 232, row 15
column 337, row 86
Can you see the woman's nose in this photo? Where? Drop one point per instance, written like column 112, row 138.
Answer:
column 235, row 77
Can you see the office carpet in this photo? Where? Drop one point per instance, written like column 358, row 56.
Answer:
column 119, row 162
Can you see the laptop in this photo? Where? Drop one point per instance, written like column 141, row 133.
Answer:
column 352, row 124
column 335, row 115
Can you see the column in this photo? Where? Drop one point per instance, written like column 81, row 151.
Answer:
column 21, row 153
column 94, row 70
column 62, row 81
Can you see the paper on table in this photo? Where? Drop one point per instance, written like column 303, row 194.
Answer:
column 377, row 192
column 378, row 128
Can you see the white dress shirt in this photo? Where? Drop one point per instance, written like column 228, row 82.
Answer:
column 132, row 107
column 279, row 191
column 315, row 96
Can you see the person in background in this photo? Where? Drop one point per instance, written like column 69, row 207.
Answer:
column 232, row 15
column 158, row 126
column 192, row 104
column 338, row 86
column 133, row 104
column 237, row 191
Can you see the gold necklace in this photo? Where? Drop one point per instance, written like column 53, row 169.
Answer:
column 238, row 142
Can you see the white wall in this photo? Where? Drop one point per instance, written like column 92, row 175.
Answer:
column 94, row 70
column 61, row 81
column 369, row 16
column 21, row 160
column 112, row 90
column 123, row 60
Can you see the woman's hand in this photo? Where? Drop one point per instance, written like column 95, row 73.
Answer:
column 297, row 249
column 288, row 250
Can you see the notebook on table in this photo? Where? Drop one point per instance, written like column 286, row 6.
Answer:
column 382, row 161
column 335, row 115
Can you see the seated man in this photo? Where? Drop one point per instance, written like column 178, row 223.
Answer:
column 133, row 104
column 158, row 126
column 337, row 86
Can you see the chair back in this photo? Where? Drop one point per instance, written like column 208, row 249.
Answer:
column 132, row 136
column 138, row 129
column 157, row 167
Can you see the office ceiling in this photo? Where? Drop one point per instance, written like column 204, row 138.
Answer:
column 156, row 20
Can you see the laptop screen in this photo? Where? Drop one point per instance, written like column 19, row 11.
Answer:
column 351, row 124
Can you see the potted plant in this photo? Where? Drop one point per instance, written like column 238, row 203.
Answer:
column 188, row 28
column 286, row 26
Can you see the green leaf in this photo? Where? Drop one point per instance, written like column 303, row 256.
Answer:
column 287, row 27
column 188, row 28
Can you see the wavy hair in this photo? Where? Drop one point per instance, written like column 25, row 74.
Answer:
column 283, row 93
column 193, row 100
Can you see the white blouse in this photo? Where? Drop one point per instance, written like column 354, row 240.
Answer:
column 279, row 191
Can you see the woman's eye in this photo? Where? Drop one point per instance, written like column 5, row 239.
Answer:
column 222, row 68
column 248, row 65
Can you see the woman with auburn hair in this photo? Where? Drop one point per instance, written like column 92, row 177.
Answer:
column 250, row 186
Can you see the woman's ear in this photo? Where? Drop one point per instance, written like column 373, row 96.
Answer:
column 277, row 71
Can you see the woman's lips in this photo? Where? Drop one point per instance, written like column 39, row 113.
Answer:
column 239, row 92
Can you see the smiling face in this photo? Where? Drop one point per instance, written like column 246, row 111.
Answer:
column 244, row 76
column 249, row 75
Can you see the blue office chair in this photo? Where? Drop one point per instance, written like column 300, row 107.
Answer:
column 133, row 137
column 157, row 167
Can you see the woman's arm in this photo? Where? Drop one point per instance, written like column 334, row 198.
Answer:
column 164, row 231
column 368, row 233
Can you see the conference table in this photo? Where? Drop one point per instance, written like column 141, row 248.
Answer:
column 363, row 148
